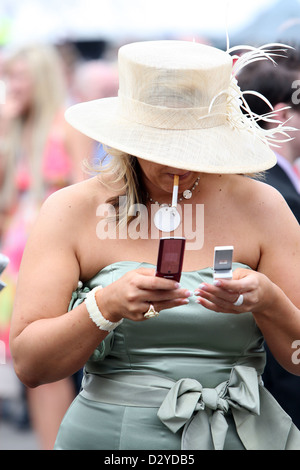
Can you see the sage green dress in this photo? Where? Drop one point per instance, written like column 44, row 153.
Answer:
column 188, row 379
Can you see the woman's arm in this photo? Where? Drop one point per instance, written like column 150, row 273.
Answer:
column 47, row 342
column 272, row 293
column 279, row 318
column 43, row 336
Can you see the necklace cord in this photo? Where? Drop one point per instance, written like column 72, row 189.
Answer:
column 187, row 194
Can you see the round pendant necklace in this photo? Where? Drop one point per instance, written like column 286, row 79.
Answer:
column 167, row 218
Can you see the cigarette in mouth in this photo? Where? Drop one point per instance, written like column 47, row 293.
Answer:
column 175, row 191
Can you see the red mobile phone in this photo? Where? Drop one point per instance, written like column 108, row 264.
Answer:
column 170, row 258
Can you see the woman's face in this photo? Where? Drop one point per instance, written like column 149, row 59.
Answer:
column 159, row 179
column 20, row 86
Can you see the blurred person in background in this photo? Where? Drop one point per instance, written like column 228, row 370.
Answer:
column 95, row 79
column 70, row 58
column 293, row 63
column 39, row 154
column 279, row 85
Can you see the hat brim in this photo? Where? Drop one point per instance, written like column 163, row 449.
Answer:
column 221, row 149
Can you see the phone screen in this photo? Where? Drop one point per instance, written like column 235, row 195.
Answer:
column 223, row 262
column 170, row 258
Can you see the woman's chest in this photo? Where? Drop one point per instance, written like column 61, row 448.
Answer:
column 102, row 244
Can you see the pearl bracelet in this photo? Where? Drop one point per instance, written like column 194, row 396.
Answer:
column 96, row 315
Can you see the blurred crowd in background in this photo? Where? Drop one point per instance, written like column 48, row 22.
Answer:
column 40, row 153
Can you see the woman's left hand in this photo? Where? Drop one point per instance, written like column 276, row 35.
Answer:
column 248, row 291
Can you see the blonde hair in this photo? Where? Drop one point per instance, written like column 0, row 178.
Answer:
column 123, row 168
column 49, row 93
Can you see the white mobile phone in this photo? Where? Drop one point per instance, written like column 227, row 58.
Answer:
column 223, row 262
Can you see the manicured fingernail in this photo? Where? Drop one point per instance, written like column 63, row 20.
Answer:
column 217, row 283
column 202, row 287
column 189, row 293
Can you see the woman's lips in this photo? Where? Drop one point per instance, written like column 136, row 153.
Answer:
column 182, row 176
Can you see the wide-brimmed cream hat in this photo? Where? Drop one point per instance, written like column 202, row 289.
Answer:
column 178, row 105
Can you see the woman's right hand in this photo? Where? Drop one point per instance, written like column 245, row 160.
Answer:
column 131, row 295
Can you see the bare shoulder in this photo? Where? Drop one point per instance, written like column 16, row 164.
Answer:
column 257, row 187
column 77, row 201
column 75, row 197
column 67, row 215
column 267, row 212
column 62, row 226
column 276, row 230
column 263, row 200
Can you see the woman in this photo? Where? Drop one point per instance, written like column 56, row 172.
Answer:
column 39, row 154
column 189, row 378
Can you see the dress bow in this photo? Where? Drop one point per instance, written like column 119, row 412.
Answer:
column 201, row 411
